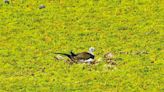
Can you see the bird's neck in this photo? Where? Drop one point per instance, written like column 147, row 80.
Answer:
column 91, row 52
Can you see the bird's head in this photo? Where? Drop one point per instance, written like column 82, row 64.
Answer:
column 91, row 50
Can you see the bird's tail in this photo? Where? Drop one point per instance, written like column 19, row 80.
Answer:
column 69, row 56
column 73, row 54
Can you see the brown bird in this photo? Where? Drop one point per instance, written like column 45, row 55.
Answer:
column 82, row 57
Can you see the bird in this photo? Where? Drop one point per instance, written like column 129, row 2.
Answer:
column 83, row 57
column 42, row 6
column 6, row 1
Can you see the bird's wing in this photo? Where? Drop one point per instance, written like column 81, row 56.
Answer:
column 83, row 55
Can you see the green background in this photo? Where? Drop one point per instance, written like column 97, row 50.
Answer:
column 29, row 36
